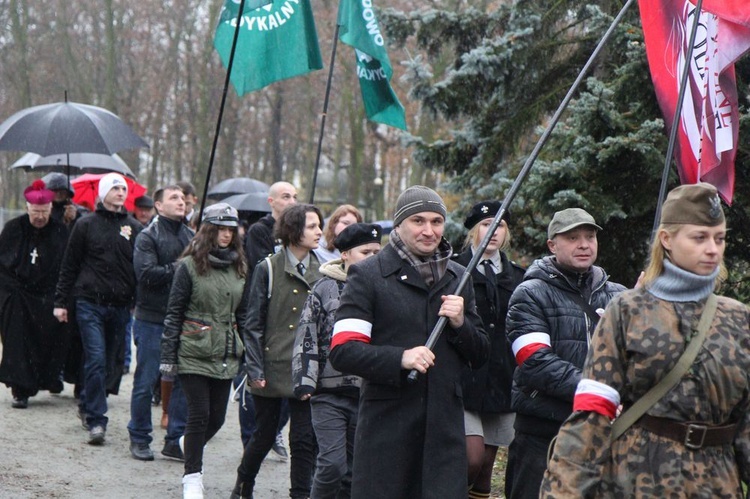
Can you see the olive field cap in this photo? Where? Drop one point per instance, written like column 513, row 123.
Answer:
column 221, row 214
column 694, row 204
column 356, row 235
column 417, row 199
column 569, row 219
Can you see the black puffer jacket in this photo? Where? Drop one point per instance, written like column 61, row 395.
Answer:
column 488, row 388
column 545, row 382
column 155, row 259
column 98, row 262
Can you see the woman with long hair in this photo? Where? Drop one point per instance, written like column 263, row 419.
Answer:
column 488, row 418
column 201, row 342
column 694, row 441
column 341, row 218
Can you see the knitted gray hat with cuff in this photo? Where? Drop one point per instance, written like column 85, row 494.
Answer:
column 417, row 199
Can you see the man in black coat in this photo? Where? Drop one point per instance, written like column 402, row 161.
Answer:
column 259, row 241
column 551, row 318
column 34, row 343
column 157, row 249
column 97, row 271
column 410, row 436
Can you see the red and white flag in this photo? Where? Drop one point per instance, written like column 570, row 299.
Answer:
column 709, row 122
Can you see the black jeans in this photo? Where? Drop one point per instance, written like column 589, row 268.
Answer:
column 206, row 409
column 527, row 462
column 301, row 443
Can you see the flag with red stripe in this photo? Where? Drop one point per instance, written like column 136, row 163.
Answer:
column 708, row 130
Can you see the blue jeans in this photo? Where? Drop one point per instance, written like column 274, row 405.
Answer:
column 147, row 337
column 177, row 413
column 128, row 341
column 102, row 329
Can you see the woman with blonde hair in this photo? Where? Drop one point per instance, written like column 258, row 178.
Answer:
column 488, row 418
column 341, row 218
column 690, row 436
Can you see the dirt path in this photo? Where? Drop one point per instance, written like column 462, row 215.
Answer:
column 43, row 453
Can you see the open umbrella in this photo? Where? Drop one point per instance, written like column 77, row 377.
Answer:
column 67, row 127
column 87, row 190
column 252, row 201
column 236, row 185
column 79, row 163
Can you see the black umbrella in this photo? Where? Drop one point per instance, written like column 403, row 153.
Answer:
column 79, row 163
column 252, row 201
column 237, row 185
column 67, row 127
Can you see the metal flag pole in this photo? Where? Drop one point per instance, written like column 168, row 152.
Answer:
column 442, row 321
column 221, row 109
column 676, row 119
column 324, row 113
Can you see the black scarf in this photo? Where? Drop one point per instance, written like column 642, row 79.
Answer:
column 220, row 258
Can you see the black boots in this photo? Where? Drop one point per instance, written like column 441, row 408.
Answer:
column 242, row 490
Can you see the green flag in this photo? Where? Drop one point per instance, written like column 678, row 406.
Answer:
column 359, row 28
column 277, row 40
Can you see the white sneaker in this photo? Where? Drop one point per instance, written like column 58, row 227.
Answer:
column 192, row 486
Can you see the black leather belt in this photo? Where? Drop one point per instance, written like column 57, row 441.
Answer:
column 694, row 435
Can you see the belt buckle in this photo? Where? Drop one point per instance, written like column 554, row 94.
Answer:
column 693, row 429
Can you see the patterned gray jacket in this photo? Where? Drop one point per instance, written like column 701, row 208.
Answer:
column 311, row 371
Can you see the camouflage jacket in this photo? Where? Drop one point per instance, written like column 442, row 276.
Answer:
column 637, row 342
column 311, row 371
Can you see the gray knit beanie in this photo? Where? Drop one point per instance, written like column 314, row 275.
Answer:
column 417, row 199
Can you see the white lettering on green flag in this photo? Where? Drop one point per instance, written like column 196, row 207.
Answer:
column 359, row 28
column 277, row 40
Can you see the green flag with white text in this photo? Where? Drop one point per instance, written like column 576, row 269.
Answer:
column 359, row 28
column 277, row 40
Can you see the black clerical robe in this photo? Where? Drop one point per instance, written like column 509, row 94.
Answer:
column 34, row 342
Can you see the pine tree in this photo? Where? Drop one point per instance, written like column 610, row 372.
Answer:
column 510, row 69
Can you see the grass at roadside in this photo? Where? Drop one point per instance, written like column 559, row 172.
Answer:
column 498, row 473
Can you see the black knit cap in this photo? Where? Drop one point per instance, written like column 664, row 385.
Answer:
column 485, row 209
column 356, row 235
column 417, row 199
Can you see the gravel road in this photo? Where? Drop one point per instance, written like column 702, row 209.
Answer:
column 43, row 453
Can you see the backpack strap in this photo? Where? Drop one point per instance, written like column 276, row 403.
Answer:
column 270, row 276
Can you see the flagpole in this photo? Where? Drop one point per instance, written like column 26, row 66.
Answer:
column 325, row 113
column 221, row 109
column 676, row 118
column 442, row 321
